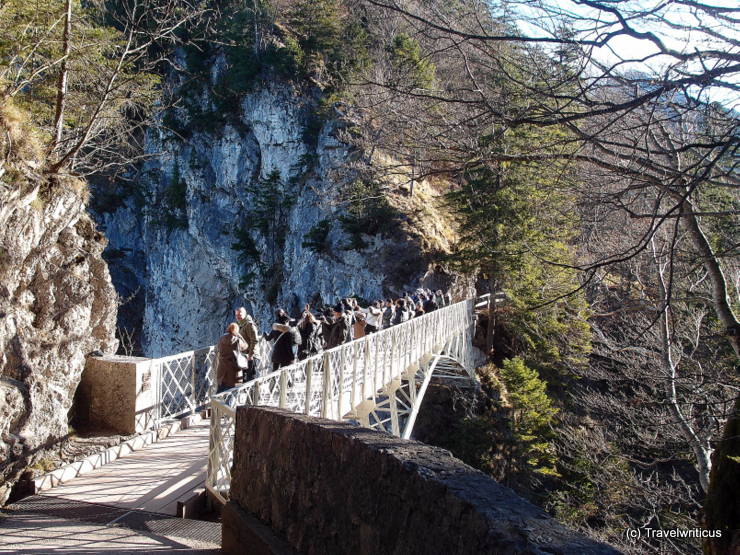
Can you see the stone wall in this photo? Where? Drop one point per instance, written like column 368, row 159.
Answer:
column 331, row 487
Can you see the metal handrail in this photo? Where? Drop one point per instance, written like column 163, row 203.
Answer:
column 332, row 383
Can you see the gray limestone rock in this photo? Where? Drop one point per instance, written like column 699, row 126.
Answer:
column 57, row 304
column 182, row 259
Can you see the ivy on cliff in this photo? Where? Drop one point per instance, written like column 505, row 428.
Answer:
column 314, row 42
column 366, row 211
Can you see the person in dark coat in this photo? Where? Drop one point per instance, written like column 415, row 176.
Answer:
column 388, row 313
column 400, row 315
column 312, row 337
column 287, row 340
column 340, row 329
column 327, row 321
column 228, row 369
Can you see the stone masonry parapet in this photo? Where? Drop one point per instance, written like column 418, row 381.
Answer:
column 332, row 487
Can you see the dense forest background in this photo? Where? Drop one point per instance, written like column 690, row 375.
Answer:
column 587, row 152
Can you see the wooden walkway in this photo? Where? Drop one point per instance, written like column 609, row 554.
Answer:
column 152, row 479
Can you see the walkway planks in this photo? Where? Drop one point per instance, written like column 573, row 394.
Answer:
column 152, row 479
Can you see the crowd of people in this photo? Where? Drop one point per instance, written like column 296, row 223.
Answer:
column 314, row 331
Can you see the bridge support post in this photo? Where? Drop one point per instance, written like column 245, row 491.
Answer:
column 393, row 406
column 427, row 375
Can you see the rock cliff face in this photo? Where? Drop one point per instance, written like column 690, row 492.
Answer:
column 57, row 304
column 220, row 217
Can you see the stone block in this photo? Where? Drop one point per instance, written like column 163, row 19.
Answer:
column 242, row 533
column 119, row 392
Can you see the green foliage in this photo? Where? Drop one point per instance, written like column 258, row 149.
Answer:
column 176, row 193
column 367, row 212
column 248, row 255
column 271, row 205
column 316, row 238
column 248, row 252
column 583, row 500
column 408, row 60
column 31, row 48
column 517, row 220
column 172, row 212
column 532, row 412
column 331, row 41
column 306, row 42
column 482, row 437
column 722, row 228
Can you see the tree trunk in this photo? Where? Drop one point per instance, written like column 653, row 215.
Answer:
column 701, row 447
column 257, row 46
column 720, row 296
column 722, row 505
column 62, row 81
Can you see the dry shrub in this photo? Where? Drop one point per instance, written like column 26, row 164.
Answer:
column 19, row 141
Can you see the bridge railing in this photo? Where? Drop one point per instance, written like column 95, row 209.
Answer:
column 332, row 383
column 186, row 381
column 182, row 382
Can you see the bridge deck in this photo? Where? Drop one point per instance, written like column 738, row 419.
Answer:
column 151, row 479
column 42, row 524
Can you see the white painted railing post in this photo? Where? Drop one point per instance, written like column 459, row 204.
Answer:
column 193, row 384
column 309, row 380
column 375, row 365
column 392, row 357
column 340, row 380
column 365, row 366
column 283, row 388
column 326, row 377
column 353, row 394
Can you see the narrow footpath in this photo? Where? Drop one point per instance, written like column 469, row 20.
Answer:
column 127, row 506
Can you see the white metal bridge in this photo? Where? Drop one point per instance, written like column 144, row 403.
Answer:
column 378, row 381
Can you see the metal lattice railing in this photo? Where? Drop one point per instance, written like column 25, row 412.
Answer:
column 185, row 382
column 182, row 382
column 333, row 383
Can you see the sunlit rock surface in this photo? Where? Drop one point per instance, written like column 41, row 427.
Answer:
column 180, row 266
column 57, row 304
